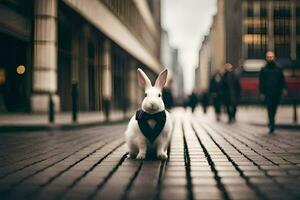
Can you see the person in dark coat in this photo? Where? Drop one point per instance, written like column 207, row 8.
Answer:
column 167, row 98
column 215, row 92
column 271, row 85
column 167, row 95
column 231, row 91
column 192, row 101
column 204, row 101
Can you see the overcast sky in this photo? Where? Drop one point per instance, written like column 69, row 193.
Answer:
column 187, row 21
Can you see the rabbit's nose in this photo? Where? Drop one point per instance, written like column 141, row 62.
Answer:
column 152, row 105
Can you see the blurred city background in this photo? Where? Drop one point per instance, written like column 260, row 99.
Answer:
column 69, row 84
column 60, row 55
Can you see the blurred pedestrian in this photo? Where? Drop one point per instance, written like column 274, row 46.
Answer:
column 167, row 95
column 215, row 91
column 271, row 85
column 231, row 91
column 192, row 101
column 205, row 101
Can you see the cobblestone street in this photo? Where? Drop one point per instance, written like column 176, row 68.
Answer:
column 207, row 160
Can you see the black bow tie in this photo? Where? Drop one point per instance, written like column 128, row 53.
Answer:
column 151, row 133
column 141, row 115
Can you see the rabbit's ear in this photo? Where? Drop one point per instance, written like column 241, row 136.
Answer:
column 161, row 79
column 143, row 79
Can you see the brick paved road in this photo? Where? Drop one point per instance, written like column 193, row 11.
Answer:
column 207, row 160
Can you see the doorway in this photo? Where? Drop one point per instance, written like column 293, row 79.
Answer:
column 64, row 72
column 14, row 74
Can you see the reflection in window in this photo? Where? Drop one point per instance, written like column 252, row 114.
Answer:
column 255, row 37
column 282, row 29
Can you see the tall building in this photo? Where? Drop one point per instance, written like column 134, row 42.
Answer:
column 217, row 39
column 48, row 45
column 232, row 31
column 177, row 79
column 212, row 52
column 166, row 50
column 170, row 60
column 203, row 71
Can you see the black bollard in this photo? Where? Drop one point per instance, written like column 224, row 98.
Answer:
column 295, row 117
column 51, row 109
column 74, row 101
column 106, row 108
column 295, row 112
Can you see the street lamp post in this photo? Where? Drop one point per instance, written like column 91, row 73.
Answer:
column 51, row 109
column 74, row 101
column 295, row 95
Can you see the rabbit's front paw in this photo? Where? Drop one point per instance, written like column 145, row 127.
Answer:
column 162, row 156
column 131, row 156
column 141, row 156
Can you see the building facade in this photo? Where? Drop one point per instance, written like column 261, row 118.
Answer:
column 217, row 39
column 271, row 25
column 96, row 45
column 203, row 71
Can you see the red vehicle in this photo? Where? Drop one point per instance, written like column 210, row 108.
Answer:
column 250, row 91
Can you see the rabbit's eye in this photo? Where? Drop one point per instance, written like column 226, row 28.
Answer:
column 145, row 94
column 159, row 95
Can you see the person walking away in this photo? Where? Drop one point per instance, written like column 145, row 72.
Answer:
column 231, row 90
column 215, row 91
column 192, row 101
column 204, row 101
column 271, row 85
column 167, row 98
column 167, row 95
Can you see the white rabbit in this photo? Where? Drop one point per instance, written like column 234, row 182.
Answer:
column 158, row 130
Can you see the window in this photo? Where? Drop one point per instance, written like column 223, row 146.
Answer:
column 256, row 30
column 263, row 12
column 120, row 80
column 282, row 29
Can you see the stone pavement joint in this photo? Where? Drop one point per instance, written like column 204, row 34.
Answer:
column 207, row 160
column 237, row 168
column 212, row 165
column 85, row 173
column 187, row 161
column 113, row 170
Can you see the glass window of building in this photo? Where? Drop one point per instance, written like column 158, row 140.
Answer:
column 282, row 24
